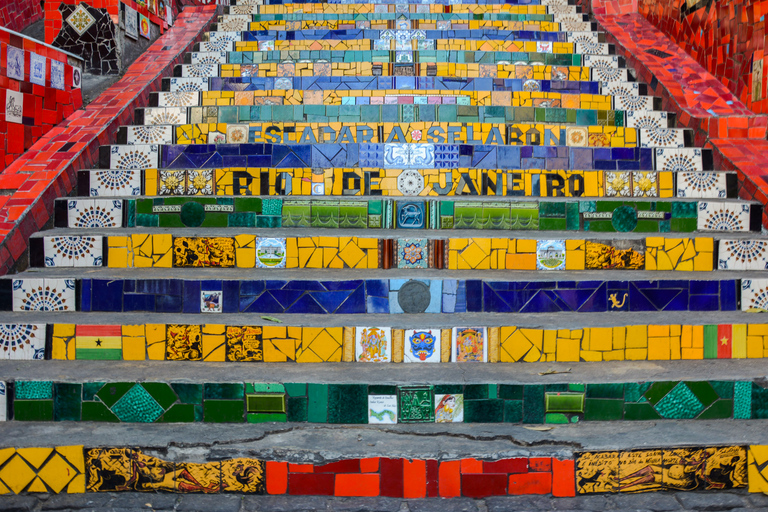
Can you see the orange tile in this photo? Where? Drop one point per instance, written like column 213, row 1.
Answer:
column 369, row 465
column 414, row 479
column 301, row 468
column 356, row 484
column 563, row 483
column 277, row 477
column 540, row 465
column 449, row 477
column 471, row 466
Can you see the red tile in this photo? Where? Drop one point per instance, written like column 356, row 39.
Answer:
column 277, row 477
column 391, row 477
column 530, row 483
column 357, row 484
column 342, row 466
column 369, row 465
column 517, row 465
column 432, row 478
column 482, row 486
column 301, row 468
column 310, row 484
column 449, row 475
column 540, row 464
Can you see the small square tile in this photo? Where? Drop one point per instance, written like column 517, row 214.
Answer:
column 211, row 301
column 412, row 253
column 422, row 346
column 14, row 106
column 270, row 252
column 469, row 344
column 550, row 254
column 449, row 408
column 37, row 69
column 382, row 409
column 22, row 341
column 754, row 295
column 94, row 213
column 416, row 404
column 57, row 75
column 237, row 133
column 15, row 63
column 373, row 344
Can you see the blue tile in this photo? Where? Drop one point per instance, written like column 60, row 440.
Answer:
column 169, row 304
column 251, row 288
column 704, row 287
column 191, row 297
column 474, row 295
column 106, row 295
column 541, row 302
column 728, row 291
column 85, row 295
column 377, row 288
column 263, row 304
column 286, row 297
column 133, row 302
column 375, row 305
column 306, row 305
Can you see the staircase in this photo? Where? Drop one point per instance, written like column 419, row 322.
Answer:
column 479, row 197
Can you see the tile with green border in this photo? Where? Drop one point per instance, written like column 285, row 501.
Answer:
column 223, row 411
column 66, row 402
column 265, row 403
column 416, row 404
column 565, row 402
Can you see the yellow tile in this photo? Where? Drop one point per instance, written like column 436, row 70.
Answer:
column 535, row 336
column 155, row 336
column 637, row 337
column 619, row 338
column 739, row 336
column 757, row 329
column 35, row 456
column 698, row 336
column 591, row 355
column 658, row 330
column 134, row 348
column 515, row 347
column 526, row 246
column 613, row 355
column 658, row 349
column 601, row 338
column 214, row 347
column 550, row 341
column 351, row 255
column 567, row 349
column 757, row 456
column 692, row 353
column 754, row 347
column 73, row 455
column 636, row 354
column 77, row 485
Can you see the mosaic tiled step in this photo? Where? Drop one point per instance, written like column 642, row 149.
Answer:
column 398, row 8
column 159, row 341
column 400, row 97
column 366, row 68
column 533, row 12
column 357, row 83
column 211, row 402
column 382, row 296
column 211, row 250
column 401, row 183
column 402, row 156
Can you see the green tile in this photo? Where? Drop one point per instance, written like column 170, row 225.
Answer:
column 148, row 221
column 111, row 392
column 248, row 204
column 710, row 342
column 757, row 405
column 603, row 409
column 533, row 404
column 179, row 413
column 33, row 390
column 513, row 411
column 483, row 411
column 381, row 389
column 137, row 406
column 348, row 403
column 703, row 391
column 318, row 403
column 97, row 411
column 261, row 417
column 511, row 391
column 658, row 390
column 66, row 402
column 416, row 404
column 605, row 391
column 241, row 220
column 189, row 393
column 640, row 411
column 556, row 418
column 223, row 411
column 680, row 403
column 223, row 391
column 721, row 409
column 90, row 389
column 264, row 387
column 724, row 389
column 33, row 410
column 265, row 403
column 635, row 391
column 564, row 402
column 161, row 392
column 475, row 392
column 296, row 409
column 296, row 388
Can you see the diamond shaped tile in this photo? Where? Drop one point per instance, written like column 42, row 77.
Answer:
column 57, row 473
column 137, row 406
column 17, row 474
column 679, row 403
column 80, row 19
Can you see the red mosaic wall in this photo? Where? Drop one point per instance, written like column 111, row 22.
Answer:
column 724, row 36
column 19, row 14
column 43, row 106
column 414, row 478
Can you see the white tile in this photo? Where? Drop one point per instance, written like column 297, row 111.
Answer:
column 469, row 344
column 583, row 37
column 662, row 138
column 37, row 69
column 149, row 134
column 115, row 182
column 22, row 341
column 702, row 184
column 43, row 295
column 590, row 48
column 235, row 23
column 754, row 295
column 618, row 184
column 632, row 102
column 208, row 57
column 3, row 401
column 188, row 84
column 14, row 106
column 421, row 346
column 94, row 213
column 373, row 344
column 165, row 115
column 715, row 216
column 449, row 408
column 382, row 409
column 73, row 251
column 550, row 254
column 647, row 119
column 619, row 88
column 199, row 70
column 607, row 73
column 679, row 159
column 223, row 36
column 211, row 301
column 645, row 184
column 178, row 99
column 139, row 156
column 744, row 254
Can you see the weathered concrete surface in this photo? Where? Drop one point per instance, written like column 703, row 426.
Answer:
column 134, row 502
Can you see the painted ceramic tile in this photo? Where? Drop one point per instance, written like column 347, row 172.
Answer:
column 243, row 476
column 645, row 184
column 620, row 89
column 120, row 469
column 591, row 48
column 422, row 346
column 144, row 27
column 234, row 23
column 146, row 134
column 43, row 295
column 757, row 80
column 597, row 472
column 270, row 252
column 138, row 156
column 199, row 70
column 22, row 341
column 172, row 183
column 704, row 184
column 183, row 343
column 57, row 75
column 210, row 46
column 633, row 102
column 211, row 301
column 449, row 408
column 382, row 409
column 237, row 133
column 245, row 343
column 410, row 215
column 200, row 182
column 647, row 119
column 409, row 156
column 615, row 254
column 618, row 184
column 204, row 252
column 662, row 138
column 416, row 404
column 15, row 67
column 688, row 469
column 178, row 99
column 131, row 22
column 73, row 251
column 37, row 69
column 723, row 216
column 640, row 471
column 14, row 106
column 413, row 253
column 373, row 344
column 3, row 401
column 576, row 37
column 743, row 255
column 77, row 77
column 115, row 182
column 470, row 344
column 94, row 213
column 550, row 254
column 188, row 84
column 80, row 19
column 754, row 295
column 165, row 115
column 266, row 46
column 208, row 57
column 216, row 137
column 577, row 136
column 679, row 160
